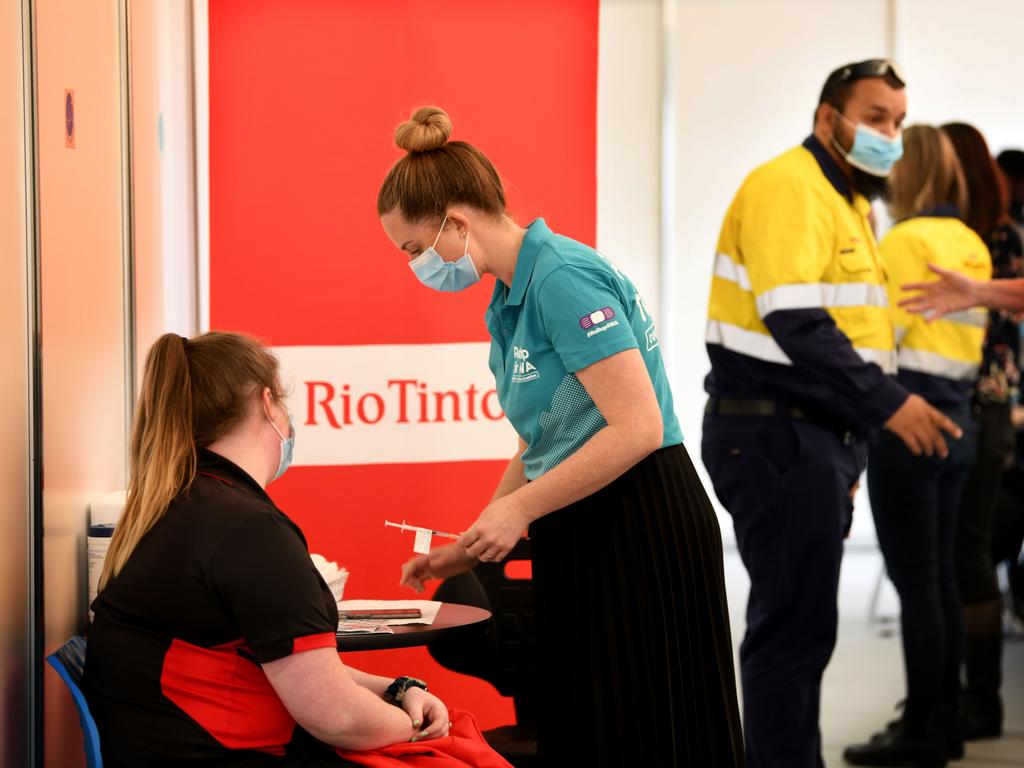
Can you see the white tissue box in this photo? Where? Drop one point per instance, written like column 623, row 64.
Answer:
column 334, row 576
column 337, row 585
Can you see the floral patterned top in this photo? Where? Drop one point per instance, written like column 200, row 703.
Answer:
column 999, row 376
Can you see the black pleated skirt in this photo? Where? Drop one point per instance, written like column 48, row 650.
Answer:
column 635, row 652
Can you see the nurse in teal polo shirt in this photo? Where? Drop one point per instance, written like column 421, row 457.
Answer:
column 635, row 656
column 567, row 308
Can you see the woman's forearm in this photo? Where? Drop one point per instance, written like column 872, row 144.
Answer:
column 600, row 460
column 373, row 683
column 332, row 704
column 1001, row 294
column 512, row 478
column 369, row 723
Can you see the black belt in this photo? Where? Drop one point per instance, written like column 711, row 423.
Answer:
column 743, row 406
column 734, row 406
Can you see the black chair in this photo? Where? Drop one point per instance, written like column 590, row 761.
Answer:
column 506, row 656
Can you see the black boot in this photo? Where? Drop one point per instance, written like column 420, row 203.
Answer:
column 954, row 736
column 983, row 709
column 903, row 744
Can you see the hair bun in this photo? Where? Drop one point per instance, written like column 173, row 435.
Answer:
column 427, row 129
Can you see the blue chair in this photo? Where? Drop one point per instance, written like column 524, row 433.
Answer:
column 69, row 660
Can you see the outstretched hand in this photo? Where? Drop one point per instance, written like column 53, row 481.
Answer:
column 950, row 293
column 441, row 563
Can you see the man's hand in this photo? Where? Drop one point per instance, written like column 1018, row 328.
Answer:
column 441, row 563
column 920, row 427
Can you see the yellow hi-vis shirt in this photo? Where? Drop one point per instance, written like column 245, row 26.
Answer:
column 948, row 349
column 791, row 240
column 798, row 312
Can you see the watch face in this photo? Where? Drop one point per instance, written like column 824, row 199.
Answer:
column 396, row 691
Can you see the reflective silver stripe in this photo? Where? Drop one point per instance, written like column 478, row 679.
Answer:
column 936, row 365
column 764, row 347
column 727, row 269
column 978, row 318
column 750, row 343
column 883, row 358
column 802, row 295
column 821, row 296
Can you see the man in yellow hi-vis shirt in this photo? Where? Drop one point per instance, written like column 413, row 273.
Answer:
column 801, row 343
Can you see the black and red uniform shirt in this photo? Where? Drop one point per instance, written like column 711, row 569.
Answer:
column 222, row 583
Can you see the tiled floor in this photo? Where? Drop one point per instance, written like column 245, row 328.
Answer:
column 865, row 678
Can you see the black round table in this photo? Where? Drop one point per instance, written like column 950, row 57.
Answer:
column 452, row 620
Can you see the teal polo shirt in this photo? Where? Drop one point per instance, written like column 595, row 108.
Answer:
column 568, row 307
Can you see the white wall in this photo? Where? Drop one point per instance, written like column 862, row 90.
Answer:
column 965, row 62
column 164, row 241
column 628, row 140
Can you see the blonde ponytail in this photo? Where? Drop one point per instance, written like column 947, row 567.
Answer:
column 193, row 392
column 162, row 455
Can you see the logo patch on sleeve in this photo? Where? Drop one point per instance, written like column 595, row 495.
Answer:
column 596, row 317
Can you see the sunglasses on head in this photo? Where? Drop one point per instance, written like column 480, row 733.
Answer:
column 871, row 68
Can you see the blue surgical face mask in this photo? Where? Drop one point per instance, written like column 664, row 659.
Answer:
column 287, row 446
column 434, row 272
column 872, row 151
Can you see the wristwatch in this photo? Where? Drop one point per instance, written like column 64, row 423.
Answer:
column 396, row 691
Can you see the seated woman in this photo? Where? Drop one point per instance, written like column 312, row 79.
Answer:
column 214, row 636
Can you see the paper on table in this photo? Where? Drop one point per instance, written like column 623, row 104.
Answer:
column 428, row 609
column 359, row 627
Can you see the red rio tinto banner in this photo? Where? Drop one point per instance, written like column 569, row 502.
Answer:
column 395, row 409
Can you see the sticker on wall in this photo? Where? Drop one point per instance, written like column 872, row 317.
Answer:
column 69, row 118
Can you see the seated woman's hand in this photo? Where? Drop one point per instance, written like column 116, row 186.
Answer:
column 428, row 713
column 441, row 563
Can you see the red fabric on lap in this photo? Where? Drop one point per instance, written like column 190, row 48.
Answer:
column 463, row 747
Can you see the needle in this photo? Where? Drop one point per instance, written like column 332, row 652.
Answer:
column 405, row 527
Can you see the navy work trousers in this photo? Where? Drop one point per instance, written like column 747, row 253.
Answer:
column 914, row 500
column 786, row 483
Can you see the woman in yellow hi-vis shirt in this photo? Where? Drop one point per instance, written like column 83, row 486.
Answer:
column 914, row 499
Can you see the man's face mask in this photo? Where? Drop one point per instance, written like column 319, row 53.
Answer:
column 449, row 276
column 872, row 151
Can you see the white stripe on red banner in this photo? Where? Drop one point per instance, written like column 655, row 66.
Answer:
column 394, row 404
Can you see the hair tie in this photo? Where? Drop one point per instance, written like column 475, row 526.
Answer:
column 184, row 342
